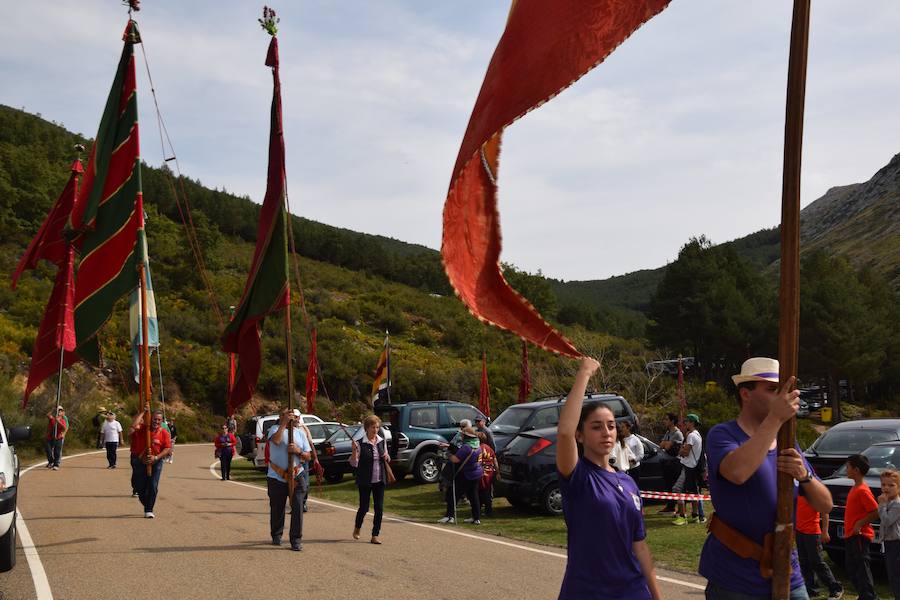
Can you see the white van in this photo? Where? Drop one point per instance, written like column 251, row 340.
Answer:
column 253, row 440
column 9, row 479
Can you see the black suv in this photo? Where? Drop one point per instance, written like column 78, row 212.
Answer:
column 833, row 447
column 419, row 430
column 528, row 416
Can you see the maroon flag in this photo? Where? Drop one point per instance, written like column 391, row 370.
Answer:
column 525, row 382
column 49, row 243
column 484, row 396
column 545, row 47
column 57, row 331
column 312, row 377
column 267, row 289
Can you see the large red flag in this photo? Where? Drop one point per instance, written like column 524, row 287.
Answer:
column 267, row 289
column 484, row 396
column 49, row 243
column 312, row 377
column 525, row 381
column 546, row 47
column 57, row 331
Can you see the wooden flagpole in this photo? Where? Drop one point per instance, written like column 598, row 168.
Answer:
column 290, row 381
column 789, row 294
column 145, row 351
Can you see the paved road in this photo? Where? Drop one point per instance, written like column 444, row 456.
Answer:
column 210, row 538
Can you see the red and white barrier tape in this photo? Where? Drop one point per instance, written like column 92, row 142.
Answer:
column 673, row 496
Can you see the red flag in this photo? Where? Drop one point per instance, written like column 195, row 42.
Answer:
column 484, row 397
column 57, row 330
column 525, row 382
column 545, row 48
column 267, row 289
column 49, row 243
column 312, row 377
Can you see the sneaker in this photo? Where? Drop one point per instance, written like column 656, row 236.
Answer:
column 702, row 520
column 56, row 467
column 679, row 521
column 276, row 541
column 296, row 546
column 694, row 519
column 149, row 515
column 835, row 594
column 447, row 520
column 133, row 493
column 305, row 507
column 469, row 520
column 49, row 465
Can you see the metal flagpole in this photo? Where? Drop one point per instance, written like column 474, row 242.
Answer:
column 789, row 294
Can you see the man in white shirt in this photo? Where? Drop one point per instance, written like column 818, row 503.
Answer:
column 111, row 435
column 637, row 449
column 689, row 455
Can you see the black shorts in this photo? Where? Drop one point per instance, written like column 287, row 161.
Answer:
column 691, row 480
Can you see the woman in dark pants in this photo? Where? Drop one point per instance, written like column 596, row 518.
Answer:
column 370, row 457
column 468, row 466
column 225, row 443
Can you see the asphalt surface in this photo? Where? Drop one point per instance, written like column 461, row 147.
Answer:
column 211, row 539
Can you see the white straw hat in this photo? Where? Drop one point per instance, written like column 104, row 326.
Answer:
column 757, row 369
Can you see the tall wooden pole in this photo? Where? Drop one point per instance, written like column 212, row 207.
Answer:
column 145, row 354
column 288, row 341
column 789, row 294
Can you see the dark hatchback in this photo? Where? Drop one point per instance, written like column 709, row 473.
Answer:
column 528, row 473
column 885, row 455
column 529, row 416
column 833, row 447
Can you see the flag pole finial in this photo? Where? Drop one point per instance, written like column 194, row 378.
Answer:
column 133, row 5
column 269, row 21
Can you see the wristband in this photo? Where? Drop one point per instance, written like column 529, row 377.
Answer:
column 806, row 479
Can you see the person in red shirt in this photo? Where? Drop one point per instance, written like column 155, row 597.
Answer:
column 147, row 486
column 57, row 426
column 861, row 511
column 812, row 530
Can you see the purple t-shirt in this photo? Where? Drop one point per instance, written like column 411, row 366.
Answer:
column 603, row 518
column 750, row 508
column 472, row 469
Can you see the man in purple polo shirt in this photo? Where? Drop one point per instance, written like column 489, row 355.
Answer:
column 743, row 467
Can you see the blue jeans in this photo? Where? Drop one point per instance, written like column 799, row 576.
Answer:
column 146, row 486
column 54, row 452
column 717, row 592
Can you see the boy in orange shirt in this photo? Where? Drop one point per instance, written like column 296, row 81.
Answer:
column 812, row 530
column 861, row 510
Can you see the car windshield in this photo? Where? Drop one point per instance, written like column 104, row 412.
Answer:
column 510, row 420
column 880, row 458
column 851, row 441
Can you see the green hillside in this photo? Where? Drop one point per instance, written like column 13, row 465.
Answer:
column 355, row 287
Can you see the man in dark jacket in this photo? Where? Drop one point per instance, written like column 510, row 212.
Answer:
column 481, row 427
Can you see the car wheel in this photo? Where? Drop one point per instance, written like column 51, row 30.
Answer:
column 551, row 500
column 8, row 548
column 427, row 470
column 332, row 477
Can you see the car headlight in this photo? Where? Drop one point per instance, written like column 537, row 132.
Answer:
column 2, row 481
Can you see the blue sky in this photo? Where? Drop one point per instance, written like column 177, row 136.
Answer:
column 678, row 133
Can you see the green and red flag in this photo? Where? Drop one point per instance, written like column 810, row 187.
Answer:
column 267, row 289
column 545, row 47
column 108, row 210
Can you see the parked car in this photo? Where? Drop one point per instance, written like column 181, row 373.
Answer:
column 334, row 453
column 420, row 429
column 545, row 413
column 884, row 455
column 324, row 430
column 9, row 488
column 528, row 473
column 253, row 441
column 815, row 396
column 833, row 447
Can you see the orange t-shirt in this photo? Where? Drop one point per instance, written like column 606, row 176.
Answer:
column 860, row 502
column 808, row 520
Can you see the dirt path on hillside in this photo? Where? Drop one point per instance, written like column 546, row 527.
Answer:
column 211, row 538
